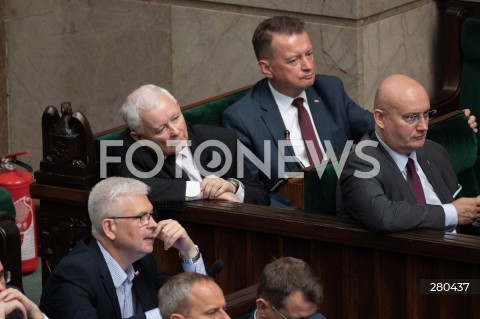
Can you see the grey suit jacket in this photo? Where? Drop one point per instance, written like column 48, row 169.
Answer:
column 384, row 203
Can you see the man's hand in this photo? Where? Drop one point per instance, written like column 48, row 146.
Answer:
column 471, row 120
column 231, row 197
column 468, row 209
column 13, row 299
column 174, row 235
column 213, row 186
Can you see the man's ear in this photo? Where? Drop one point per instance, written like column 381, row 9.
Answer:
column 135, row 136
column 109, row 228
column 264, row 67
column 261, row 306
column 176, row 316
column 379, row 117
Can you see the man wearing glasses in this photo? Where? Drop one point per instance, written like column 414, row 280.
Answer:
column 401, row 180
column 14, row 304
column 288, row 289
column 113, row 273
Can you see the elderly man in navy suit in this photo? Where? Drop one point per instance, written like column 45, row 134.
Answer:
column 293, row 102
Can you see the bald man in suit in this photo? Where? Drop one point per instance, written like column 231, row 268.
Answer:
column 376, row 186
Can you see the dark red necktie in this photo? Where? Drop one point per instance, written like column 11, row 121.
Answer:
column 414, row 182
column 308, row 133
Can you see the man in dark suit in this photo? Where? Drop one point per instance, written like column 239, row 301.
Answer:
column 288, row 288
column 112, row 273
column 285, row 56
column 199, row 161
column 396, row 179
column 267, row 113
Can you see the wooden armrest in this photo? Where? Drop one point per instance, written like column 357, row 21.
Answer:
column 241, row 302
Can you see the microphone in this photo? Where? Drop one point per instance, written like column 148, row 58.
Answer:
column 215, row 267
column 299, row 163
column 137, row 273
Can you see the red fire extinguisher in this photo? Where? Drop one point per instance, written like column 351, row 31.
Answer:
column 17, row 182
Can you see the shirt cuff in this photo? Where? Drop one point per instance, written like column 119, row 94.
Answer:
column 153, row 314
column 192, row 191
column 451, row 217
column 241, row 192
column 198, row 267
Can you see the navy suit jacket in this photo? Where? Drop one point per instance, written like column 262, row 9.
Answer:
column 168, row 192
column 256, row 118
column 81, row 285
column 384, row 202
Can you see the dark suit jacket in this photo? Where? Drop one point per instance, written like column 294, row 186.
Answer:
column 385, row 203
column 168, row 192
column 256, row 118
column 316, row 315
column 81, row 285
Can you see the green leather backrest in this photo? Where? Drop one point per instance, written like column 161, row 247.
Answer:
column 455, row 135
column 470, row 80
column 6, row 202
column 211, row 113
column 320, row 190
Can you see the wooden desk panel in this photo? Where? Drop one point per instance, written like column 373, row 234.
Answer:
column 365, row 275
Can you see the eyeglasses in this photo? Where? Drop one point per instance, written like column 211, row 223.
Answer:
column 413, row 118
column 5, row 276
column 280, row 313
column 144, row 218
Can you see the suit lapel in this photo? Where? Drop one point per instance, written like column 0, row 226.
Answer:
column 431, row 171
column 273, row 121
column 206, row 155
column 106, row 278
column 388, row 167
column 320, row 116
column 140, row 287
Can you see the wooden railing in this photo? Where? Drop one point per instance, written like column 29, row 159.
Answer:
column 364, row 275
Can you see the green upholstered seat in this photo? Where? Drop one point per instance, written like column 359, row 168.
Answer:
column 470, row 74
column 320, row 190
column 109, row 136
column 211, row 112
column 458, row 139
column 470, row 79
column 6, row 202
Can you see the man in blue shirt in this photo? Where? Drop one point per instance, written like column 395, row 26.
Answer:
column 112, row 273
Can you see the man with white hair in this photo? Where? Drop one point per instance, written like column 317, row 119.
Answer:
column 112, row 273
column 199, row 161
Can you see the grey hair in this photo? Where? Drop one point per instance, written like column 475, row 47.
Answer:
column 143, row 98
column 102, row 201
column 173, row 295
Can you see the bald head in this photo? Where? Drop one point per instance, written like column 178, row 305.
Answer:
column 397, row 90
column 399, row 98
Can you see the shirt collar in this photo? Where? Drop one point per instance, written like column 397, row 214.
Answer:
column 399, row 159
column 284, row 102
column 117, row 273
